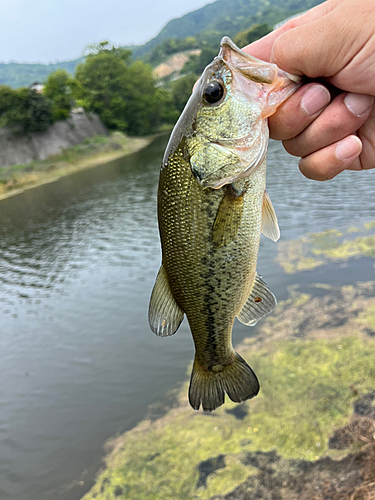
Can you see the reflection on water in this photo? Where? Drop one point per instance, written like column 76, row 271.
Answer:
column 78, row 260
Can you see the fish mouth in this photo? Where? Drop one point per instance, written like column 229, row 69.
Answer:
column 255, row 69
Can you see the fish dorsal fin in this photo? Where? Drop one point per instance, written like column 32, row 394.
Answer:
column 228, row 217
column 270, row 227
column 261, row 301
column 164, row 314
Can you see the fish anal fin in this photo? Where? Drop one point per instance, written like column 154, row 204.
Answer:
column 208, row 388
column 164, row 314
column 228, row 217
column 270, row 226
column 260, row 302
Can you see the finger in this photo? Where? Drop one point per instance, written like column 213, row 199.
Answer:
column 344, row 116
column 262, row 48
column 330, row 161
column 297, row 112
column 367, row 136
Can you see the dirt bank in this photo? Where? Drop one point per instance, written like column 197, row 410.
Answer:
column 90, row 153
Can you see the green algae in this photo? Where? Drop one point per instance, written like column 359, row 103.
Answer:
column 292, row 257
column 353, row 229
column 311, row 373
column 305, row 394
column 359, row 246
column 367, row 318
column 317, row 249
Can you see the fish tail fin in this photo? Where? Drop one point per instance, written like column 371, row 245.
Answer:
column 208, row 388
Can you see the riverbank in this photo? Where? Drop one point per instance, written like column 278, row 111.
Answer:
column 94, row 151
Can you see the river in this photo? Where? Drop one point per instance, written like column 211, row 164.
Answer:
column 78, row 259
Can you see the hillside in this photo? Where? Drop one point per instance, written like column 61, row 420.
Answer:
column 212, row 21
column 22, row 75
column 207, row 25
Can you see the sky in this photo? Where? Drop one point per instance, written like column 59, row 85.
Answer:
column 58, row 30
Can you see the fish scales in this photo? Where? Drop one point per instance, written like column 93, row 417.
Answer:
column 212, row 207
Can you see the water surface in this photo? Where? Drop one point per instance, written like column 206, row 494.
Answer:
column 78, row 259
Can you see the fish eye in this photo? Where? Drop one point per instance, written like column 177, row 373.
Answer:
column 213, row 92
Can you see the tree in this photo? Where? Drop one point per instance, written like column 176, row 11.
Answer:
column 105, row 46
column 121, row 92
column 170, row 46
column 255, row 32
column 24, row 109
column 39, row 111
column 181, row 91
column 59, row 89
column 103, row 84
column 196, row 64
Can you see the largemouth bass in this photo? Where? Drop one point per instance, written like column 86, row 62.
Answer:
column 212, row 208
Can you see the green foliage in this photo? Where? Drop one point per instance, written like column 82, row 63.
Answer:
column 165, row 108
column 106, row 47
column 22, row 75
column 181, row 90
column 39, row 111
column 122, row 93
column 317, row 249
column 255, row 32
column 6, row 99
column 24, row 109
column 196, row 64
column 103, row 77
column 171, row 46
column 59, row 89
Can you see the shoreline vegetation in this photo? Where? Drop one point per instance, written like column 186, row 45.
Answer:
column 92, row 152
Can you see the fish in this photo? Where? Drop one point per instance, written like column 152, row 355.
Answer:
column 212, row 208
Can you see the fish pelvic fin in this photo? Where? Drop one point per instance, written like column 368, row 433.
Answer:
column 164, row 314
column 208, row 388
column 270, row 226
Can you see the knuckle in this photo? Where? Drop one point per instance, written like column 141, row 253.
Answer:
column 291, row 146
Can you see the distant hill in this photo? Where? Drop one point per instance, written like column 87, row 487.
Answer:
column 225, row 17
column 22, row 75
column 207, row 24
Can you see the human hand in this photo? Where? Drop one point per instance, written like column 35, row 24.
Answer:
column 333, row 43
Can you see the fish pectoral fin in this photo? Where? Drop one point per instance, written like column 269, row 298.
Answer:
column 228, row 217
column 270, row 226
column 164, row 314
column 261, row 301
column 214, row 165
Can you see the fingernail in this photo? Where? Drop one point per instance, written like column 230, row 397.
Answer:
column 315, row 99
column 358, row 103
column 348, row 147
